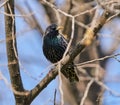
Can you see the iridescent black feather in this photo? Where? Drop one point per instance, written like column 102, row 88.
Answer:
column 54, row 46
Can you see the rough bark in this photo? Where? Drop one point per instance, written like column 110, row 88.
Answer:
column 13, row 64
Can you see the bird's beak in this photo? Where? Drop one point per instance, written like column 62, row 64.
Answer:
column 59, row 27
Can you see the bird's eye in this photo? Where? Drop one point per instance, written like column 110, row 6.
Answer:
column 53, row 28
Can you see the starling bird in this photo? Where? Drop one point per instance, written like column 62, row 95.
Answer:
column 54, row 46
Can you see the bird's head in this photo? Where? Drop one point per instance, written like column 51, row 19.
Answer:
column 53, row 30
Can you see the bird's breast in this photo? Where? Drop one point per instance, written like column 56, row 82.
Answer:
column 54, row 49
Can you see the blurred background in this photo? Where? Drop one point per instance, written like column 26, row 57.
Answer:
column 32, row 18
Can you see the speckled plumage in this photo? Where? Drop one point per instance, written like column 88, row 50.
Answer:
column 54, row 46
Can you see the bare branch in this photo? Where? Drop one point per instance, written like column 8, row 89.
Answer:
column 3, row 3
column 35, row 20
column 99, row 59
column 12, row 51
column 55, row 97
column 86, row 91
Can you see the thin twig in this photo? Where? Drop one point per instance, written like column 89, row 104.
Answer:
column 87, row 11
column 114, row 93
column 60, row 83
column 23, row 15
column 99, row 59
column 86, row 91
column 3, row 3
column 55, row 96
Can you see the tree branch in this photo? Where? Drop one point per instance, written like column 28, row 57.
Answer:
column 12, row 51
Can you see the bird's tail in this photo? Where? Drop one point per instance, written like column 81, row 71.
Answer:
column 70, row 73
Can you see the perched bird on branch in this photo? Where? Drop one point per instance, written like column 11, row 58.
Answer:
column 54, row 46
